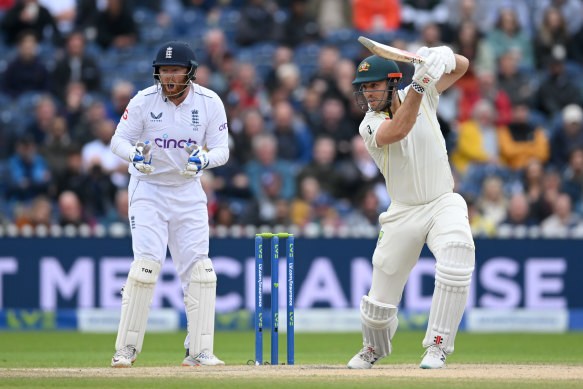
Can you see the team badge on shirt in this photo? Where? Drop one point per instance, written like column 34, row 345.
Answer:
column 195, row 120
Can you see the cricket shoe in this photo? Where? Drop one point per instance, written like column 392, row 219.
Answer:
column 124, row 357
column 204, row 358
column 364, row 359
column 434, row 358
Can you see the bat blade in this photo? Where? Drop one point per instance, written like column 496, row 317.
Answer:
column 389, row 52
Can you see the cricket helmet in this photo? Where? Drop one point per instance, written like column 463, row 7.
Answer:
column 175, row 53
column 375, row 68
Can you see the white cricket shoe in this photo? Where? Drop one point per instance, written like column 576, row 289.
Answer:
column 204, row 358
column 434, row 358
column 124, row 357
column 364, row 359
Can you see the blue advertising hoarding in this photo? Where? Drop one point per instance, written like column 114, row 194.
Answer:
column 44, row 275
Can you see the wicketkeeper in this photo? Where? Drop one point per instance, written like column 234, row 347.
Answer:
column 403, row 136
column 162, row 134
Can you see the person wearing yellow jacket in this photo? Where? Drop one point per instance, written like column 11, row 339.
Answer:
column 521, row 141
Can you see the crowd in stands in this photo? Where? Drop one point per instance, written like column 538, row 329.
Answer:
column 513, row 124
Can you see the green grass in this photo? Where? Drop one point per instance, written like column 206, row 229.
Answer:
column 76, row 350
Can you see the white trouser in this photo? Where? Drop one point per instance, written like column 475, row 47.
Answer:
column 169, row 216
column 405, row 229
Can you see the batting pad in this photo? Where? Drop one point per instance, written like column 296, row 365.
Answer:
column 200, row 306
column 379, row 324
column 135, row 304
column 453, row 274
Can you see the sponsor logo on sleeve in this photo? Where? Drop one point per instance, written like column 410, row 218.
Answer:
column 223, row 127
column 125, row 115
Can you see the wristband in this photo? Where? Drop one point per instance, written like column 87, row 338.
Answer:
column 418, row 88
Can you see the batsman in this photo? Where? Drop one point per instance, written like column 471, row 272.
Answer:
column 403, row 137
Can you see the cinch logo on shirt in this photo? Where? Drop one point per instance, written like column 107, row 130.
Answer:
column 169, row 143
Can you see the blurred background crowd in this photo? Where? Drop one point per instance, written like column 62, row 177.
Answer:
column 513, row 123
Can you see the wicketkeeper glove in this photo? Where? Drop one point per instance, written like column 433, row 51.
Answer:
column 141, row 158
column 198, row 160
column 429, row 72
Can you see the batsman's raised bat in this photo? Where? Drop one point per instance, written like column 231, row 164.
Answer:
column 389, row 52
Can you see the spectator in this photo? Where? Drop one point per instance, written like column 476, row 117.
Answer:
column 28, row 15
column 477, row 140
column 289, row 86
column 313, row 205
column 518, row 220
column 75, row 66
column 282, row 55
column 383, row 15
column 416, row 14
column 568, row 137
column 71, row 210
column 98, row 153
column 571, row 11
column 557, row 87
column 257, row 23
column 29, row 174
column 121, row 94
column 335, row 125
column 323, row 80
column 268, row 174
column 323, row 168
column 518, row 85
column 64, row 13
column 492, row 202
column 26, row 72
column 300, row 27
column 562, row 221
column 45, row 110
column 253, row 125
column 54, row 150
column 332, row 15
column 573, row 178
column 247, row 87
column 115, row 26
column 470, row 42
column 509, row 35
column 551, row 189
column 93, row 113
column 359, row 171
column 366, row 212
column 481, row 227
column 552, row 35
column 293, row 138
column 488, row 89
column 117, row 220
column 430, row 37
column 521, row 141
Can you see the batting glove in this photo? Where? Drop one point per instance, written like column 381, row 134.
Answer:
column 198, row 159
column 447, row 55
column 428, row 73
column 141, row 158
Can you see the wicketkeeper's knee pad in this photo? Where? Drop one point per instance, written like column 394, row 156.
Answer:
column 199, row 303
column 379, row 324
column 453, row 275
column 135, row 304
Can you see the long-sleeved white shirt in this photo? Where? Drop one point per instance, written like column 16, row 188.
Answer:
column 149, row 116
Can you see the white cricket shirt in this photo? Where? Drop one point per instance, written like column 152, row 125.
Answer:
column 416, row 169
column 149, row 116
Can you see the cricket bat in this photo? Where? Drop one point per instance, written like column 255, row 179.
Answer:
column 389, row 52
